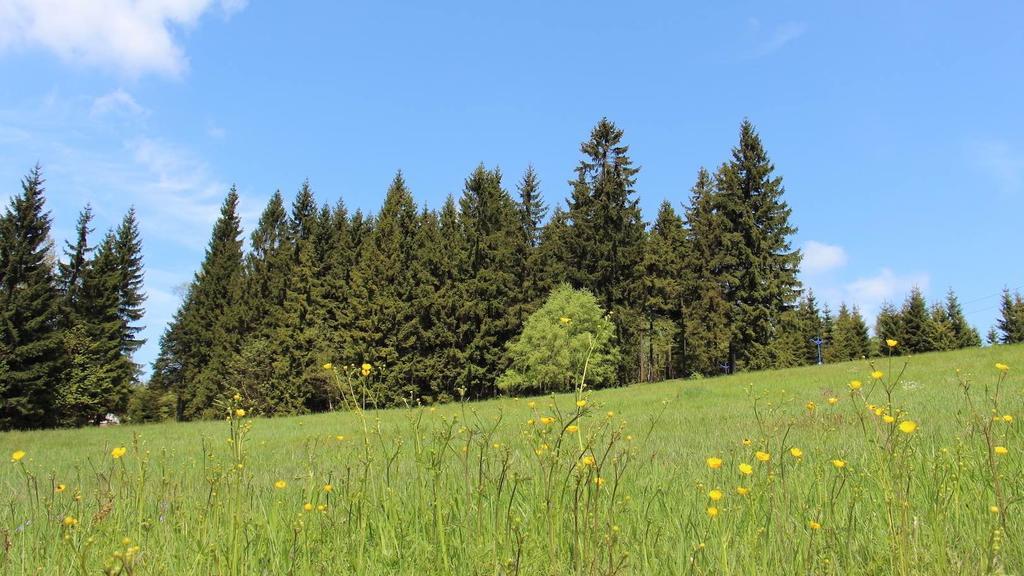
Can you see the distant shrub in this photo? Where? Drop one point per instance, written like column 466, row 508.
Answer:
column 556, row 343
column 151, row 405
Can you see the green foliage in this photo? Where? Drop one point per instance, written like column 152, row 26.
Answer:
column 567, row 337
column 149, row 404
column 1011, row 318
column 30, row 307
column 665, row 276
column 850, row 340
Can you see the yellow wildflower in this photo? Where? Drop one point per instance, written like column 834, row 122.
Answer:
column 810, row 406
column 280, row 484
column 321, row 508
column 530, row 422
column 60, row 488
column 855, row 384
column 833, row 401
column 547, row 420
column 747, row 442
column 307, row 507
column 993, row 509
column 877, row 374
column 611, row 414
column 328, row 488
column 588, row 460
column 1007, row 418
column 714, row 463
column 908, row 426
column 17, row 455
column 240, row 413
column 366, row 369
column 715, row 495
column 891, row 343
column 599, row 481
column 814, row 525
column 565, row 320
column 118, row 452
column 742, row 490
column 237, row 397
column 339, row 438
column 572, row 428
column 762, row 456
column 1001, row 450
column 531, row 404
column 888, row 419
column 70, row 521
column 746, row 469
column 581, row 403
column 328, row 366
column 712, row 512
column 796, row 452
column 1002, row 367
column 839, row 463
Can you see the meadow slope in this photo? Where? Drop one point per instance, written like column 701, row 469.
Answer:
column 603, row 482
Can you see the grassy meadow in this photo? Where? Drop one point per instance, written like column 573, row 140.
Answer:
column 652, row 479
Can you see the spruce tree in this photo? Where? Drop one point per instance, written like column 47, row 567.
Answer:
column 915, row 324
column 663, row 282
column 941, row 333
column 849, row 336
column 127, row 254
column 552, row 255
column 532, row 211
column 30, row 303
column 204, row 335
column 69, row 277
column 607, row 238
column 1011, row 318
column 489, row 314
column 709, row 263
column 966, row 335
column 765, row 266
column 888, row 326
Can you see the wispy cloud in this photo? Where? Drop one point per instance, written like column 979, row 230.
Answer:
column 780, row 36
column 133, row 37
column 870, row 292
column 117, row 102
column 820, row 257
column 1000, row 162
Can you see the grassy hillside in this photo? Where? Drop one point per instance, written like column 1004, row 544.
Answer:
column 491, row 488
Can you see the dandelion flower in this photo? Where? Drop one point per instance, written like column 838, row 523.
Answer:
column 839, row 463
column 118, row 452
column 366, row 369
column 17, row 455
column 762, row 456
column 891, row 343
column 70, row 521
column 712, row 512
column 796, row 452
column 328, row 366
column 833, row 401
column 581, row 403
column 742, row 490
column 855, row 384
column 1002, row 367
column 1001, row 450
column 328, row 488
column 908, row 426
column 715, row 495
column 746, row 469
column 714, row 463
column 814, row 525
column 280, row 484
column 877, row 374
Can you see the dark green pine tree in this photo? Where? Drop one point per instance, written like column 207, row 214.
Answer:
column 861, row 339
column 381, row 293
column 30, row 336
column 916, row 324
column 765, row 267
column 811, row 325
column 992, row 337
column 966, row 336
column 489, row 313
column 663, row 282
column 552, row 254
column 710, row 260
column 69, row 276
column 828, row 326
column 941, row 333
column 205, row 333
column 101, row 373
column 1011, row 318
column 127, row 253
column 336, row 257
column 606, row 245
column 888, row 326
column 849, row 336
column 532, row 211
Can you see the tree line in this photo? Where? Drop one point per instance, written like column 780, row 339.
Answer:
column 432, row 299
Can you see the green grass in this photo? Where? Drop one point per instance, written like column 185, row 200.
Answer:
column 462, row 489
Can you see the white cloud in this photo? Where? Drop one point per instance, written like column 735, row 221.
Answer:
column 119, row 102
column 132, row 36
column 1003, row 164
column 871, row 292
column 781, row 35
column 820, row 257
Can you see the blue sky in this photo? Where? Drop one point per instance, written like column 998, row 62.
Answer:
column 897, row 126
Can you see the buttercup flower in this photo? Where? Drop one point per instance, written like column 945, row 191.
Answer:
column 715, row 495
column 877, row 374
column 366, row 369
column 908, row 426
column 796, row 452
column 746, row 469
column 17, row 455
column 118, row 452
column 1001, row 450
column 714, row 463
column 891, row 343
column 712, row 512
column 1002, row 367
column 328, row 366
column 280, row 484
column 762, row 456
column 839, row 463
column 855, row 384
